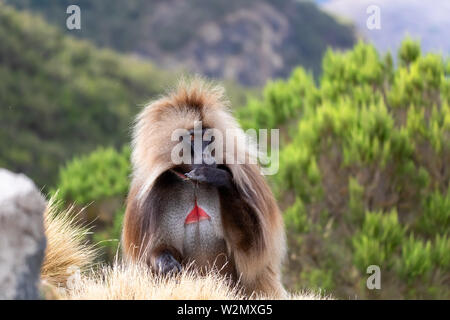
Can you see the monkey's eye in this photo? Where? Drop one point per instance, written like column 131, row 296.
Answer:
column 192, row 137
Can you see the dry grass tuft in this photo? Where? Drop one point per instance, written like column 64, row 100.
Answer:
column 67, row 247
column 134, row 281
column 306, row 295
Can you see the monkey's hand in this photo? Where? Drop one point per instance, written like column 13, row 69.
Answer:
column 211, row 175
column 167, row 264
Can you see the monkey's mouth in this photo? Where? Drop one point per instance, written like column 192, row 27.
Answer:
column 181, row 171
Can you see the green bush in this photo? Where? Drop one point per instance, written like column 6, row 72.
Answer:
column 99, row 175
column 441, row 252
column 409, row 51
column 416, row 259
column 60, row 97
column 280, row 103
column 436, row 213
column 364, row 165
column 377, row 240
column 296, row 217
column 318, row 280
column 98, row 181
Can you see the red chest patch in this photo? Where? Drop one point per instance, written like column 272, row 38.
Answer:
column 196, row 215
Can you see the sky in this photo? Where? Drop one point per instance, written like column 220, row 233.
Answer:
column 428, row 21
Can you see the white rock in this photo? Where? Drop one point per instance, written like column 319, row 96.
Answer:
column 22, row 237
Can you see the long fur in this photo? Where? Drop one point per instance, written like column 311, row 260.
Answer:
column 259, row 267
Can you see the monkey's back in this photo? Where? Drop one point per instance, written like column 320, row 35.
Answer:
column 191, row 221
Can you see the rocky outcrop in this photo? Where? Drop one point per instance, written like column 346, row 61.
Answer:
column 22, row 238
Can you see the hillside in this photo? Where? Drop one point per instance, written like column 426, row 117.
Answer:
column 61, row 97
column 248, row 41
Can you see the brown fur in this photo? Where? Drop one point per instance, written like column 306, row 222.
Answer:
column 254, row 234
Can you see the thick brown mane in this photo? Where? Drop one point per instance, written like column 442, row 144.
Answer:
column 198, row 94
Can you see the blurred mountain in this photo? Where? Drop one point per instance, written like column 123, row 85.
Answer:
column 428, row 21
column 61, row 96
column 248, row 41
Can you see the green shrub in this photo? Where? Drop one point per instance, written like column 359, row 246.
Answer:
column 436, row 213
column 416, row 258
column 100, row 175
column 409, row 51
column 318, row 280
column 368, row 251
column 441, row 252
column 99, row 181
column 363, row 166
column 375, row 243
column 355, row 201
column 296, row 217
column 282, row 101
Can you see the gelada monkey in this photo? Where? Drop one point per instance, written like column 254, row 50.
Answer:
column 202, row 213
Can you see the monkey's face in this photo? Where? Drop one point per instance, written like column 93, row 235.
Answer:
column 155, row 144
column 200, row 144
